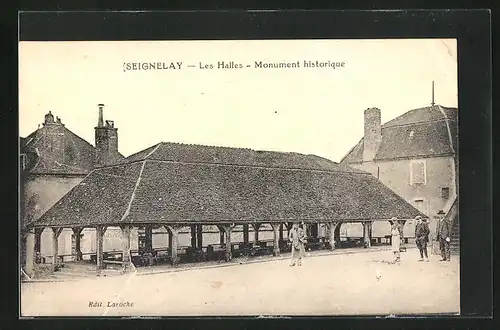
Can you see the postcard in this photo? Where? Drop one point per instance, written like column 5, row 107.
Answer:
column 239, row 177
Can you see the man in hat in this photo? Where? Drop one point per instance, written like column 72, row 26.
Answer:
column 422, row 237
column 298, row 238
column 443, row 236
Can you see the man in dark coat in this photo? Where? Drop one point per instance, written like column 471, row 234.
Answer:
column 422, row 237
column 443, row 236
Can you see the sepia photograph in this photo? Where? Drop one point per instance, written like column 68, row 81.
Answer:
column 239, row 178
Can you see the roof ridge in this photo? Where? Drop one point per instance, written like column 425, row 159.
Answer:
column 127, row 211
column 354, row 171
column 153, row 151
column 206, row 145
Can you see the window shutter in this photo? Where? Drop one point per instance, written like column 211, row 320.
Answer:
column 418, row 172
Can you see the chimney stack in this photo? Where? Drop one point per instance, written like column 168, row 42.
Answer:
column 100, row 121
column 373, row 134
column 106, row 140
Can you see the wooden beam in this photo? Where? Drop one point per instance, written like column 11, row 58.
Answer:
column 55, row 247
column 148, row 235
column 77, row 232
column 199, row 236
column 366, row 234
column 38, row 240
column 193, row 236
column 276, row 246
column 126, row 257
column 245, row 234
column 256, row 227
column 332, row 226
column 100, row 230
column 174, row 229
column 30, row 253
column 226, row 229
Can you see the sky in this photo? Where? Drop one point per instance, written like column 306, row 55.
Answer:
column 307, row 110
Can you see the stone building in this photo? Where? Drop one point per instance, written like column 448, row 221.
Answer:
column 53, row 160
column 416, row 156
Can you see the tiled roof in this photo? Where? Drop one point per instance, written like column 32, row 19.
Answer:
column 424, row 132
column 157, row 191
column 75, row 156
column 192, row 153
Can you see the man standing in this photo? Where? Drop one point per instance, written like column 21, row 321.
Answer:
column 422, row 237
column 443, row 236
column 298, row 238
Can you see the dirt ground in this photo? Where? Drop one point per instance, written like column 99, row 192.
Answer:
column 343, row 284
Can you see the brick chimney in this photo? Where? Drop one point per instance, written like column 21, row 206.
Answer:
column 373, row 134
column 106, row 140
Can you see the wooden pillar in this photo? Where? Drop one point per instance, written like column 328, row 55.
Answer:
column 366, row 235
column 199, row 236
column 226, row 230
column 55, row 247
column 332, row 226
column 281, row 232
column 38, row 240
column 77, row 234
column 29, row 258
column 148, row 236
column 193, row 236
column 337, row 233
column 127, row 258
column 276, row 229
column 170, row 238
column 174, row 229
column 245, row 234
column 256, row 227
column 100, row 230
column 314, row 230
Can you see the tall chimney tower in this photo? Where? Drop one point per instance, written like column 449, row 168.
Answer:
column 373, row 134
column 106, row 140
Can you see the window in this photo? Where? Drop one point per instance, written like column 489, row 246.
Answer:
column 418, row 172
column 445, row 192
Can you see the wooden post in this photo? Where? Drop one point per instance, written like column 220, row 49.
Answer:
column 370, row 231
column 126, row 259
column 256, row 227
column 170, row 238
column 38, row 240
column 337, row 233
column 245, row 234
column 199, row 236
column 366, row 235
column 55, row 247
column 193, row 236
column 77, row 232
column 226, row 230
column 314, row 230
column 221, row 236
column 281, row 232
column 100, row 230
column 174, row 229
column 148, row 236
column 276, row 229
column 332, row 226
column 29, row 260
